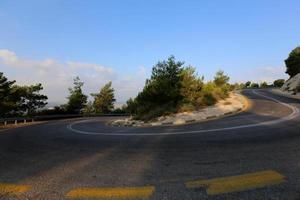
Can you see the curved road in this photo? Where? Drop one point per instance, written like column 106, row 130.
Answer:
column 251, row 155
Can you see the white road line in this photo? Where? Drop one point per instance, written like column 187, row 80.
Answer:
column 295, row 113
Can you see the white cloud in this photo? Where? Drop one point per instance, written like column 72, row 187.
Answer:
column 9, row 58
column 269, row 74
column 56, row 76
column 260, row 74
column 95, row 67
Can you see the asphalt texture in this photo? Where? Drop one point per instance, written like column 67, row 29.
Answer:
column 59, row 156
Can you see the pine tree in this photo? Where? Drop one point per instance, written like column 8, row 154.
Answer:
column 6, row 101
column 76, row 99
column 104, row 100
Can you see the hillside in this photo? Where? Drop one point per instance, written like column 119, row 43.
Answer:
column 292, row 85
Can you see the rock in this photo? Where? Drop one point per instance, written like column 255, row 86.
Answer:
column 155, row 124
column 168, row 121
column 292, row 85
column 179, row 121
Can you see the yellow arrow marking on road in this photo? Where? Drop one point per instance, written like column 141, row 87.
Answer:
column 238, row 183
column 7, row 189
column 112, row 193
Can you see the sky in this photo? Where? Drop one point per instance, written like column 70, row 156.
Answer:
column 52, row 41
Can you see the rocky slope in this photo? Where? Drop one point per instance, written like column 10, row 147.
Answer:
column 292, row 85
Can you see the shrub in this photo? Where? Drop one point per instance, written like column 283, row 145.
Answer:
column 254, row 85
column 208, row 99
column 118, row 111
column 221, row 79
column 278, row 82
column 209, row 94
column 156, row 111
column 248, row 84
column 191, row 86
column 187, row 107
column 264, row 85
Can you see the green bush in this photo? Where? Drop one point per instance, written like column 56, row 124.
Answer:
column 173, row 87
column 278, row 82
column 221, row 78
column 155, row 111
column 264, row 85
column 248, row 84
column 191, row 87
column 209, row 94
column 254, row 85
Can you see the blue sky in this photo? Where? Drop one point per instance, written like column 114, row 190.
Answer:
column 51, row 41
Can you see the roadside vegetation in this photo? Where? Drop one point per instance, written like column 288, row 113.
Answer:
column 15, row 100
column 174, row 87
column 102, row 103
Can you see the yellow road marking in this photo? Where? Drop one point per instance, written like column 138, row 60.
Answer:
column 112, row 193
column 238, row 183
column 6, row 189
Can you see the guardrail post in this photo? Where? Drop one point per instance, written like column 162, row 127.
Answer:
column 24, row 121
column 5, row 123
column 16, row 122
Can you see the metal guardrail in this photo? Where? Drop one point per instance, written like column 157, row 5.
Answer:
column 24, row 120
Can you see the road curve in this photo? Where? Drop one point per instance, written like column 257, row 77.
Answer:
column 294, row 113
column 251, row 155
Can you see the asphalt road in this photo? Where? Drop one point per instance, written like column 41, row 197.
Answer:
column 251, row 155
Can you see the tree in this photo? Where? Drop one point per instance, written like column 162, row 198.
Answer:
column 29, row 98
column 6, row 102
column 191, row 86
column 76, row 99
column 166, row 80
column 254, row 85
column 263, row 84
column 88, row 110
column 162, row 90
column 247, row 84
column 19, row 100
column 104, row 100
column 131, row 106
column 221, row 79
column 278, row 82
column 293, row 62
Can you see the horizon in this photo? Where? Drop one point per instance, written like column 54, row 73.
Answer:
column 51, row 42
